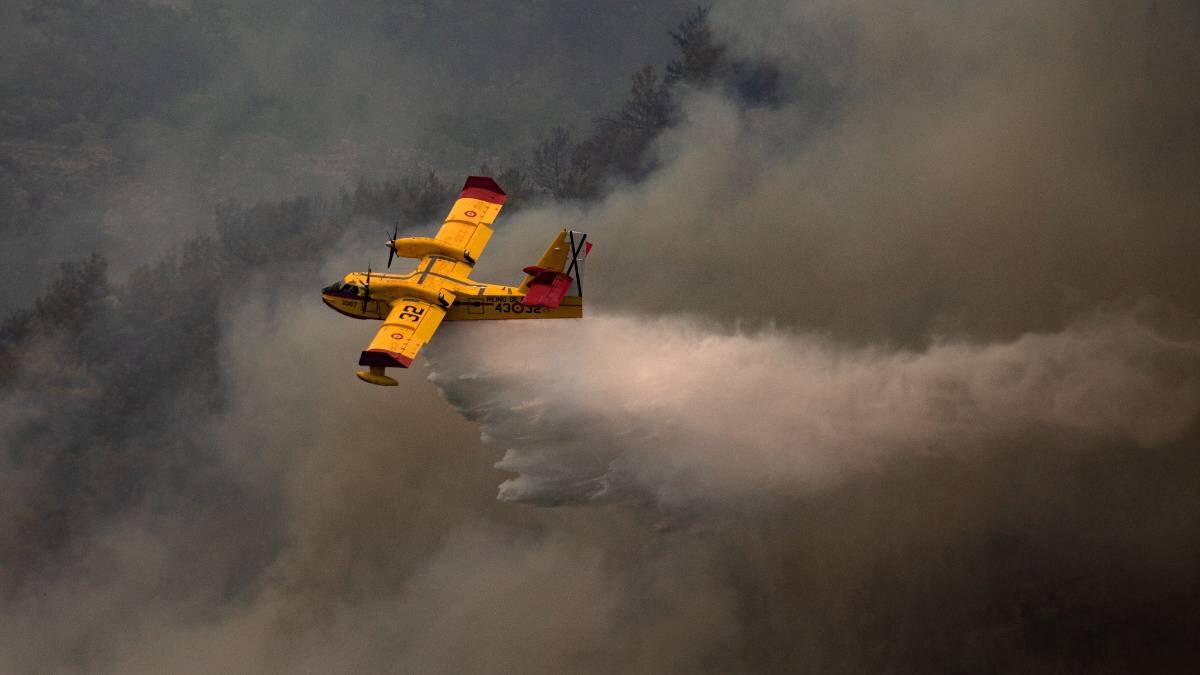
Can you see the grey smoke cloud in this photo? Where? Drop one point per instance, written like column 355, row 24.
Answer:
column 367, row 525
column 309, row 96
column 1011, row 176
column 950, row 238
column 854, row 398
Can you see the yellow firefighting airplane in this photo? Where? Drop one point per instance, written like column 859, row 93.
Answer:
column 413, row 305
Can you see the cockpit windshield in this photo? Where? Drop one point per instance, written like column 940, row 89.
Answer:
column 340, row 288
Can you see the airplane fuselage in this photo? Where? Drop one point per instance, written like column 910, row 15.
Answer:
column 469, row 300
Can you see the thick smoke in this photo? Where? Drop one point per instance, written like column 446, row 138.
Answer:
column 1019, row 168
column 265, row 99
column 937, row 347
column 979, row 175
column 896, row 373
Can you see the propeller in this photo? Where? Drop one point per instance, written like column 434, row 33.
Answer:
column 367, row 289
column 392, row 245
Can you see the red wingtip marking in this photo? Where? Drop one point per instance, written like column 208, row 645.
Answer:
column 385, row 358
column 483, row 188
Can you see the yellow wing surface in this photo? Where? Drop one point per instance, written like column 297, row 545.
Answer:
column 462, row 237
column 468, row 227
column 409, row 325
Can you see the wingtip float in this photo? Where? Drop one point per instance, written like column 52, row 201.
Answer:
column 439, row 288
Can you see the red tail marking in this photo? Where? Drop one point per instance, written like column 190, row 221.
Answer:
column 547, row 289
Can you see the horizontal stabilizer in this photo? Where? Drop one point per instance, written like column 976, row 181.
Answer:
column 547, row 288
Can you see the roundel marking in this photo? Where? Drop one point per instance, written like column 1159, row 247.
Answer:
column 397, row 336
column 470, row 214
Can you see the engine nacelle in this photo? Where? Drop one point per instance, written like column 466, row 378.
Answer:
column 419, row 247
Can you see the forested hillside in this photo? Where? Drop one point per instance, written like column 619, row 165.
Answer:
column 110, row 366
column 891, row 360
column 124, row 124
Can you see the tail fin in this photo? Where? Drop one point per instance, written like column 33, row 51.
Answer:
column 559, row 272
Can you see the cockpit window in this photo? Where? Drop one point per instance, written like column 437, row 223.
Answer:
column 341, row 288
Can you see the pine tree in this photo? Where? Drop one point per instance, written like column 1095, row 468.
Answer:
column 699, row 54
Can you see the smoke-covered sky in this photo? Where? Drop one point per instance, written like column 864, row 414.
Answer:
column 272, row 98
column 898, row 374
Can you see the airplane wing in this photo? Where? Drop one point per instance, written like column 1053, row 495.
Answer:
column 468, row 227
column 408, row 326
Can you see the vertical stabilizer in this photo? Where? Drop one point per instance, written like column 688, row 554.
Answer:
column 559, row 273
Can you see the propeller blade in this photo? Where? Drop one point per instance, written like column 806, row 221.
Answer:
column 367, row 288
column 392, row 245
